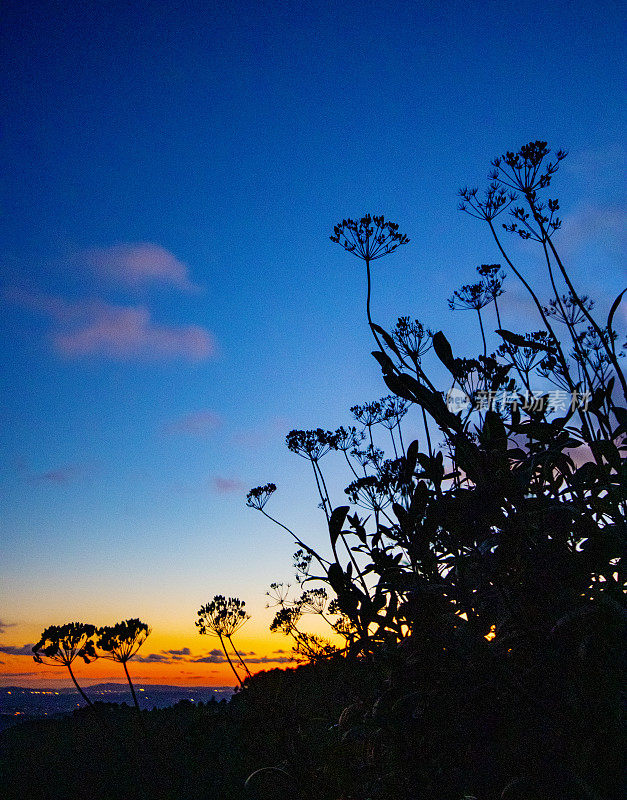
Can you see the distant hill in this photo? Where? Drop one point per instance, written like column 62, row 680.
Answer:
column 20, row 703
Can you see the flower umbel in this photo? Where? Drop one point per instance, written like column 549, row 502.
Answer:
column 369, row 238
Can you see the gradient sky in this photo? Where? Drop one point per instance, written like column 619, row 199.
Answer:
column 171, row 303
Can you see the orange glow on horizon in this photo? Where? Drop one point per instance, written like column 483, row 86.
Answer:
column 166, row 659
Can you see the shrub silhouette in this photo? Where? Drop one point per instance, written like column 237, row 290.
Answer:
column 120, row 642
column 63, row 644
column 494, row 558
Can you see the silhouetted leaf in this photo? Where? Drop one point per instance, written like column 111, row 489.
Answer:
column 443, row 350
column 522, row 341
column 613, row 309
column 388, row 340
column 336, row 522
column 385, row 362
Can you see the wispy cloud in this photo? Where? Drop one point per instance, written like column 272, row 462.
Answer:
column 63, row 474
column 215, row 656
column 596, row 165
column 256, row 437
column 210, row 659
column 91, row 327
column 227, row 485
column 129, row 332
column 60, row 475
column 184, row 651
column 270, row 660
column 138, row 264
column 4, row 625
column 196, row 423
column 18, row 674
column 153, row 658
column 12, row 650
column 596, row 223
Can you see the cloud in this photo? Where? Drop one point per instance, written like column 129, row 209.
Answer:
column 253, row 438
column 269, row 660
column 138, row 264
column 595, row 223
column 184, row 651
column 196, row 423
column 228, row 485
column 215, row 656
column 12, row 650
column 597, row 165
column 60, row 475
column 57, row 308
column 19, row 674
column 129, row 332
column 4, row 625
column 220, row 659
column 166, row 656
column 91, row 327
column 159, row 658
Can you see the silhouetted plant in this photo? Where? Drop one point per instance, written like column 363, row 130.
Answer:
column 223, row 618
column 497, row 554
column 369, row 238
column 63, row 644
column 473, row 296
column 122, row 641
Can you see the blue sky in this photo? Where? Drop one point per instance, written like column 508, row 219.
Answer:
column 171, row 303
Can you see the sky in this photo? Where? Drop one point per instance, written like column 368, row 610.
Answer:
column 171, row 305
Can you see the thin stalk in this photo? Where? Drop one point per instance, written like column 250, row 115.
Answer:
column 582, row 305
column 324, row 486
column 393, row 443
column 241, row 660
column 537, row 304
column 485, row 347
column 130, row 683
column 305, row 547
column 400, row 436
column 80, row 691
column 424, row 420
column 558, row 349
column 228, row 658
column 324, row 505
column 349, row 464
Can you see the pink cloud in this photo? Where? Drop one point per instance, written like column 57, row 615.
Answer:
column 60, row 475
column 594, row 165
column 91, row 327
column 64, row 474
column 253, row 438
column 124, row 332
column 196, row 423
column 228, row 485
column 600, row 224
column 54, row 307
column 137, row 265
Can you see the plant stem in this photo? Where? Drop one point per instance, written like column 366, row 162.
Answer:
column 130, row 683
column 228, row 658
column 81, row 692
column 242, row 662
